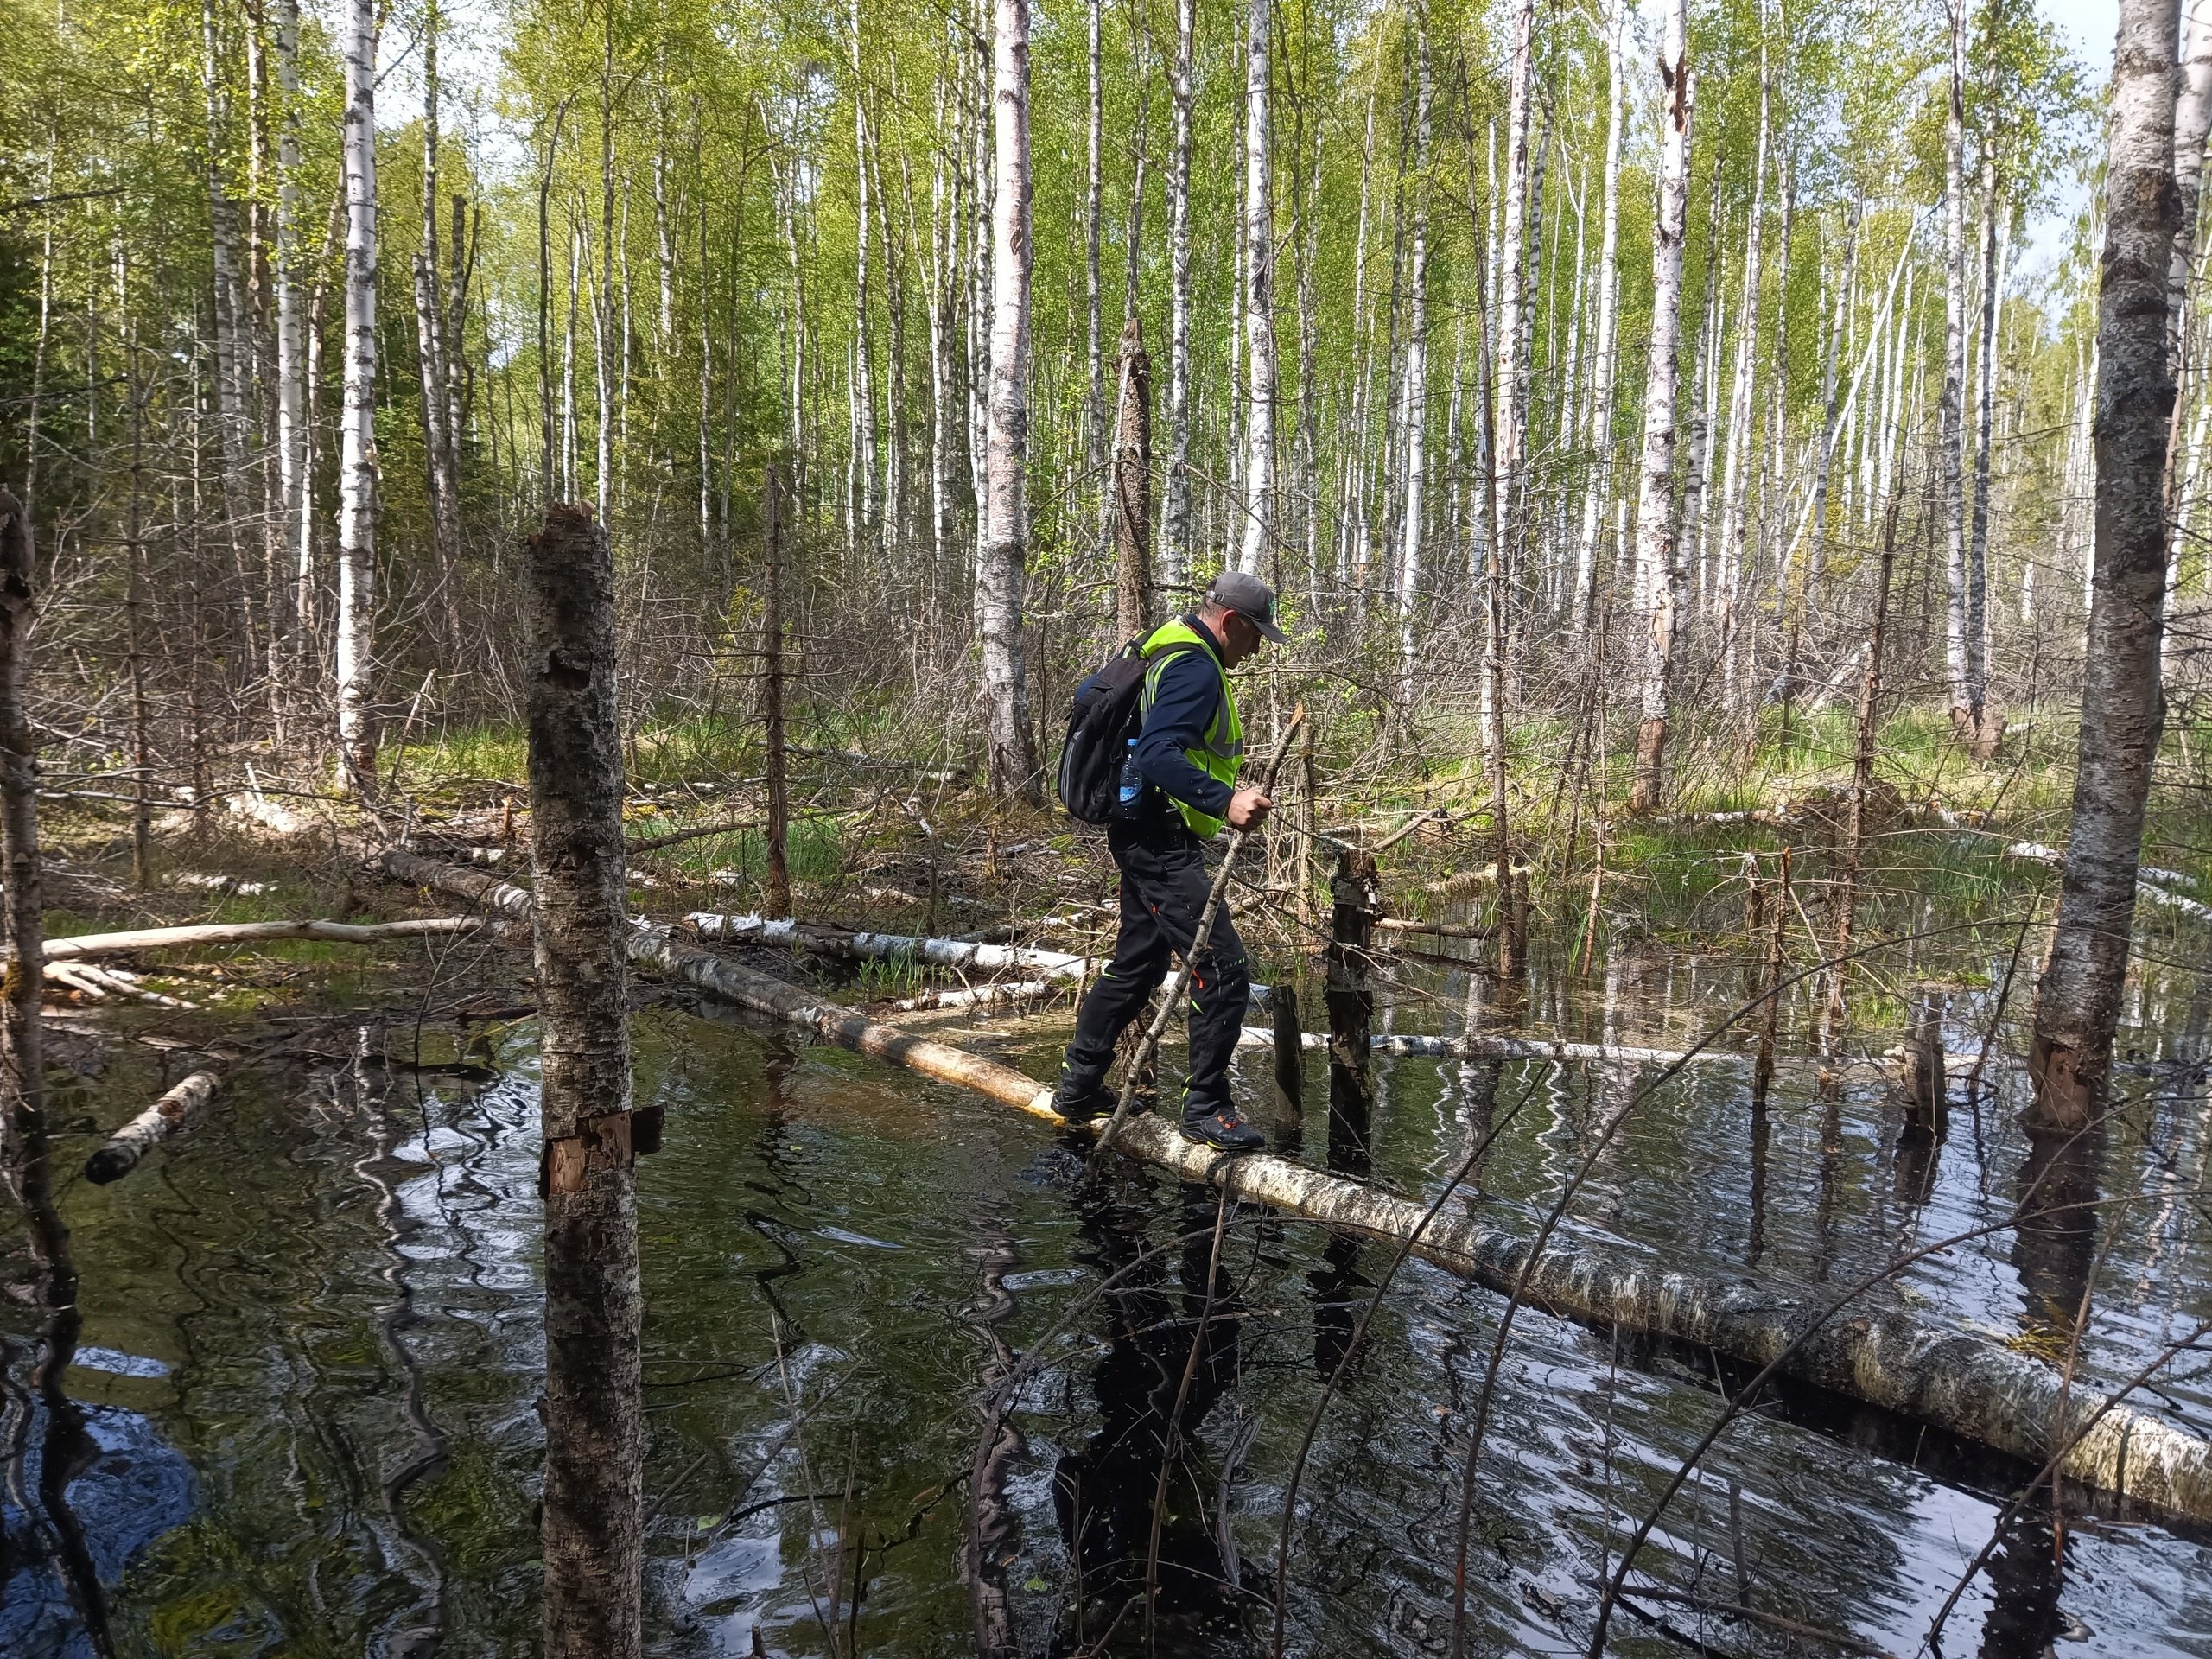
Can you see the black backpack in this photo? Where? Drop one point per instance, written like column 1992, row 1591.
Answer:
column 1103, row 716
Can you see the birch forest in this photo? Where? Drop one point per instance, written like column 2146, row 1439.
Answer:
column 545, row 551
column 1554, row 362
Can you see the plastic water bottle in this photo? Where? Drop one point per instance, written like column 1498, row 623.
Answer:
column 1132, row 783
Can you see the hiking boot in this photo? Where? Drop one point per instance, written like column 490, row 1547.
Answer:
column 1223, row 1126
column 1082, row 1100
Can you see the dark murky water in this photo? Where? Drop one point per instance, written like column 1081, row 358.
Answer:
column 302, row 1418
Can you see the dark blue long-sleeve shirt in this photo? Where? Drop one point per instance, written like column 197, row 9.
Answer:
column 1190, row 689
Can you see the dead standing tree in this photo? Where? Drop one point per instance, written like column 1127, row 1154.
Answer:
column 2123, row 711
column 776, row 891
column 1133, row 487
column 593, row 1427
column 22, row 1073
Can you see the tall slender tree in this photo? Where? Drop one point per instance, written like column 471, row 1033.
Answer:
column 357, row 460
column 1655, row 515
column 1175, row 508
column 999, row 572
column 2123, row 705
column 1259, row 295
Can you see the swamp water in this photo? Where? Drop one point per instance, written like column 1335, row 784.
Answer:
column 300, row 1418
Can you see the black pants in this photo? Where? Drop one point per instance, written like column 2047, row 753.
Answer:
column 1164, row 887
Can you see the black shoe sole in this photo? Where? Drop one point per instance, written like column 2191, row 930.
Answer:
column 1256, row 1142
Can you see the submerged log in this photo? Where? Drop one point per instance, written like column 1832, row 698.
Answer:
column 172, row 1112
column 79, row 946
column 1958, row 1382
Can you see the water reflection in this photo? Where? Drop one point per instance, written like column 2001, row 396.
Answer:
column 1133, row 1497
column 66, row 1447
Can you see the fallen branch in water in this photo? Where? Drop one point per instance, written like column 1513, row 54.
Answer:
column 100, row 983
column 1937, row 1374
column 164, row 1118
column 79, row 946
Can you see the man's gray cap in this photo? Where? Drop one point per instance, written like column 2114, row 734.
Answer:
column 1250, row 598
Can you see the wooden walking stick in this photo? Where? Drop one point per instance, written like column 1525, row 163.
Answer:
column 1176, row 986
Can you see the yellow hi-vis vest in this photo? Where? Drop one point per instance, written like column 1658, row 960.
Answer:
column 1224, row 751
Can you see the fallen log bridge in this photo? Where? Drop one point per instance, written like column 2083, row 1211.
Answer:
column 1948, row 1378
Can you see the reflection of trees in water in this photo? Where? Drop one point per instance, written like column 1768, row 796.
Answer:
column 1104, row 1491
column 66, row 1449
column 994, row 1537
column 773, row 1155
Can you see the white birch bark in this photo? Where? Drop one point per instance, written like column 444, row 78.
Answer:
column 602, row 299
column 1259, row 297
column 1736, row 476
column 290, row 432
column 999, row 572
column 944, row 238
column 1175, row 507
column 862, row 381
column 1409, row 546
column 1950, row 434
column 1654, row 507
column 1512, row 295
column 2192, row 120
column 1093, row 229
column 357, row 460
column 1996, row 241
column 1824, row 457
column 571, row 477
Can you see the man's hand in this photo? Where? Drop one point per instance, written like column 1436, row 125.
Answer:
column 1248, row 809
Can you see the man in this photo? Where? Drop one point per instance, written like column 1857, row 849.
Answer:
column 1179, row 788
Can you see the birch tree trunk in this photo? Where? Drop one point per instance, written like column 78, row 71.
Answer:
column 290, row 431
column 1409, row 545
column 1259, row 296
column 2192, row 119
column 594, row 1435
column 1598, row 488
column 1012, row 759
column 1736, row 477
column 1093, row 228
column 1824, row 457
column 1175, row 511
column 2192, row 122
column 1512, row 294
column 1950, row 433
column 2123, row 711
column 603, row 314
column 1994, row 244
column 1655, row 527
column 357, row 458
column 864, row 502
